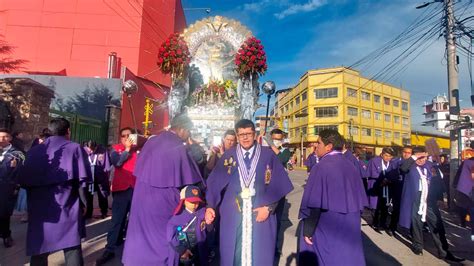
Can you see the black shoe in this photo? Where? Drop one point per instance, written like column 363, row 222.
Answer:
column 417, row 251
column 8, row 242
column 390, row 233
column 103, row 216
column 105, row 257
column 451, row 257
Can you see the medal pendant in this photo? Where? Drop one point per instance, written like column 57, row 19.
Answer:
column 245, row 194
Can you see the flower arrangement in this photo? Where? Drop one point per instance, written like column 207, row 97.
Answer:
column 217, row 92
column 251, row 58
column 173, row 55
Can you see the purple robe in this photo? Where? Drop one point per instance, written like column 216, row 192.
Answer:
column 163, row 167
column 52, row 175
column 223, row 191
column 375, row 173
column 182, row 219
column 311, row 161
column 101, row 169
column 334, row 186
column 465, row 183
column 359, row 165
column 411, row 186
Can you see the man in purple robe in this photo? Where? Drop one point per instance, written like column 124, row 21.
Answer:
column 311, row 161
column 330, row 208
column 100, row 167
column 381, row 171
column 465, row 186
column 55, row 176
column 163, row 167
column 244, row 189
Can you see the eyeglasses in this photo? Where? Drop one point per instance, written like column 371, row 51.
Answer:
column 125, row 135
column 246, row 135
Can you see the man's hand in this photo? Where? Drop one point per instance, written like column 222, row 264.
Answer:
column 262, row 214
column 308, row 240
column 13, row 163
column 210, row 215
column 187, row 254
column 128, row 144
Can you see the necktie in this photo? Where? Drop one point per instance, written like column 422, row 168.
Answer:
column 247, row 160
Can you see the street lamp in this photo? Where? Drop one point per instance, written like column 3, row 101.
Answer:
column 129, row 87
column 269, row 89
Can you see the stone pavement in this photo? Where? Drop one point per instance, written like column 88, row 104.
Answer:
column 380, row 249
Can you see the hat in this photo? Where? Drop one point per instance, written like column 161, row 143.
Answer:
column 182, row 121
column 189, row 193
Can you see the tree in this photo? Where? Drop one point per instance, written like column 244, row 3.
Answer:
column 8, row 64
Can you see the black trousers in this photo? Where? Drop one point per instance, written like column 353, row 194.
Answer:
column 72, row 257
column 396, row 201
column 381, row 213
column 103, row 202
column 279, row 215
column 121, row 203
column 5, row 227
column 417, row 227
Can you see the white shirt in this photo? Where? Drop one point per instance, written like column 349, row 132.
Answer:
column 249, row 150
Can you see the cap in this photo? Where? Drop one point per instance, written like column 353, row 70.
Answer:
column 189, row 193
column 182, row 121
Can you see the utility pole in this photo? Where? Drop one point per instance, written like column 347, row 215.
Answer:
column 453, row 91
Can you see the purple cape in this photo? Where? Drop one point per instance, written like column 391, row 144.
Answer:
column 182, row 219
column 410, row 191
column 223, row 190
column 335, row 186
column 360, row 165
column 374, row 172
column 52, row 174
column 163, row 167
column 310, row 162
column 102, row 169
column 465, row 183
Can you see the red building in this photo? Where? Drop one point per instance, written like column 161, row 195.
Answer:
column 75, row 37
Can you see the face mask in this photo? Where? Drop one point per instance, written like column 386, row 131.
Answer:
column 277, row 143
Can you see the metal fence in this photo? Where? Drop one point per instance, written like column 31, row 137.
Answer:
column 84, row 128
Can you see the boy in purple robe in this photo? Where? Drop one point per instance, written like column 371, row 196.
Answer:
column 55, row 175
column 465, row 186
column 419, row 203
column 330, row 208
column 186, row 230
column 381, row 171
column 163, row 167
column 244, row 189
column 99, row 161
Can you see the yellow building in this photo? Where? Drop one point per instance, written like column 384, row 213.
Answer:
column 366, row 112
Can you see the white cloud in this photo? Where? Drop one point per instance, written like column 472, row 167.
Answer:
column 255, row 6
column 298, row 8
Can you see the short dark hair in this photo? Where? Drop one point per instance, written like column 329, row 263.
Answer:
column 59, row 126
column 5, row 130
column 229, row 132
column 408, row 147
column 127, row 128
column 91, row 144
column 389, row 150
column 244, row 123
column 332, row 136
column 277, row 131
column 419, row 149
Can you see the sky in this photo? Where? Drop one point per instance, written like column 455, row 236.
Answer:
column 300, row 35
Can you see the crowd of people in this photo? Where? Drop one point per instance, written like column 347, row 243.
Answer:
column 174, row 205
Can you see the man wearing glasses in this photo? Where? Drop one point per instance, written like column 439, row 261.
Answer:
column 244, row 189
column 123, row 158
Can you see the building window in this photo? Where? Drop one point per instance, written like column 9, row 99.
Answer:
column 352, row 111
column 326, row 111
column 366, row 132
column 396, row 135
column 297, row 132
column 351, row 93
column 376, row 98
column 325, row 93
column 378, row 133
column 405, row 136
column 365, row 114
column 303, row 130
column 286, row 108
column 388, row 134
column 365, row 96
column 405, row 121
column 297, row 100
column 281, row 110
column 396, row 119
column 404, row 106
column 318, row 129
column 377, row 116
column 353, row 130
column 291, row 105
column 396, row 103
column 386, row 100
column 304, row 96
column 387, row 118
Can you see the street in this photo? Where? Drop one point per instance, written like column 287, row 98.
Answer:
column 380, row 249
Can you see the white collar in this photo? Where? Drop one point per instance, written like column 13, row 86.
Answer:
column 249, row 150
column 7, row 148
